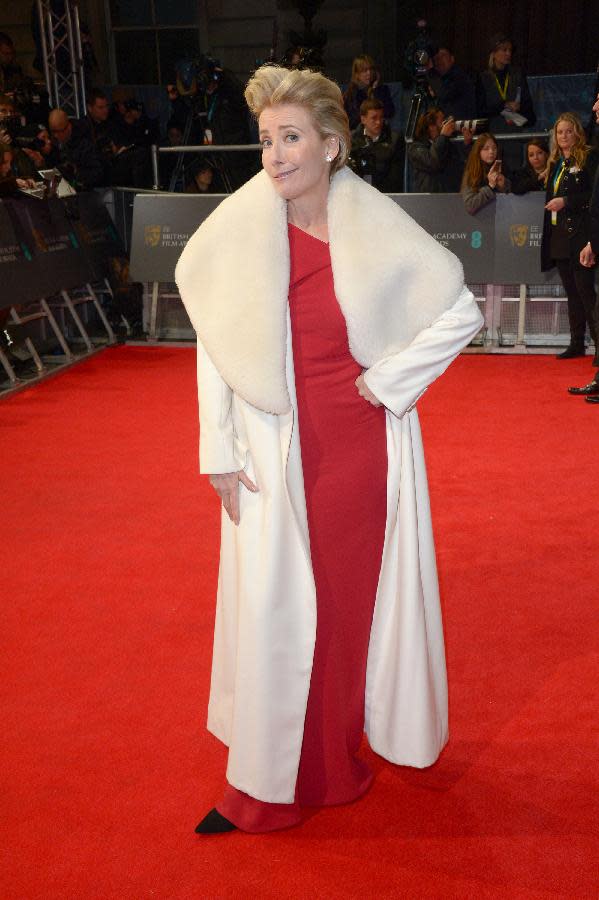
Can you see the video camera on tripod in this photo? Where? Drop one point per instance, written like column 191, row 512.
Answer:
column 419, row 54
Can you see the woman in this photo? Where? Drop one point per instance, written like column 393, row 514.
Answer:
column 567, row 227
column 483, row 176
column 532, row 175
column 503, row 89
column 503, row 97
column 323, row 312
column 437, row 162
column 366, row 84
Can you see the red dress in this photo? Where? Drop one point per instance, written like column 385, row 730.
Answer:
column 344, row 460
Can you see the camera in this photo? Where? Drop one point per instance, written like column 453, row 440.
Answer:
column 419, row 52
column 474, row 125
column 27, row 138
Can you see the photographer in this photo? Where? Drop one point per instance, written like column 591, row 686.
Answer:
column 207, row 92
column 21, row 138
column 377, row 152
column 437, row 162
column 9, row 182
column 131, row 127
column 32, row 101
column 450, row 86
column 76, row 156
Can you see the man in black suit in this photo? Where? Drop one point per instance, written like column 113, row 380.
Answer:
column 588, row 257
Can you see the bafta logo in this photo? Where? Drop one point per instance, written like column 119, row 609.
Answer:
column 152, row 235
column 518, row 235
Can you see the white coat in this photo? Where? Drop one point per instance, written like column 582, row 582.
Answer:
column 408, row 315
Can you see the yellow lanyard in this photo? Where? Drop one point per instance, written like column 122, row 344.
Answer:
column 502, row 90
column 558, row 178
column 556, row 184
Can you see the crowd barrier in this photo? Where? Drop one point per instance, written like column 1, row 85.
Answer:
column 54, row 266
column 499, row 248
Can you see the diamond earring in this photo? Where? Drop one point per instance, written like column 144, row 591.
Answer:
column 329, row 158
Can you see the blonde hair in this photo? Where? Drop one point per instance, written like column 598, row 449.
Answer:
column 321, row 97
column 493, row 51
column 579, row 151
column 360, row 63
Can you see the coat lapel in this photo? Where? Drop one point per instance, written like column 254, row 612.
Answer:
column 391, row 278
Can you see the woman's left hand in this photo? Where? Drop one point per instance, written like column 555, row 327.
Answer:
column 364, row 391
column 556, row 204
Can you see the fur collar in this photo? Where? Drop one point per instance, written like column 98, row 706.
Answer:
column 391, row 280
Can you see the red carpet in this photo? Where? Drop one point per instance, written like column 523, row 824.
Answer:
column 108, row 576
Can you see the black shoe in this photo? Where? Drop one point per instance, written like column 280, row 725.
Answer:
column 593, row 399
column 570, row 352
column 214, row 823
column 592, row 388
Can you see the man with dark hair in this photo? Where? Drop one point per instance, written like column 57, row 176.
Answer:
column 377, row 151
column 96, row 121
column 132, row 133
column 450, row 86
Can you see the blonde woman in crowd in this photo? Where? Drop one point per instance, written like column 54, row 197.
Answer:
column 572, row 166
column 366, row 84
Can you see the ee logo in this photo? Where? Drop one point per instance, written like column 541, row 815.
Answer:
column 476, row 240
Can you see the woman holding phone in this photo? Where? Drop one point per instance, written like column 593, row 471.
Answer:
column 483, row 175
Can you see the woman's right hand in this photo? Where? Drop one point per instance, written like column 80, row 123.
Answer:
column 227, row 488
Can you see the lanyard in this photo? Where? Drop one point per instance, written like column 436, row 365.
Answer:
column 211, row 105
column 502, row 90
column 558, row 177
column 556, row 183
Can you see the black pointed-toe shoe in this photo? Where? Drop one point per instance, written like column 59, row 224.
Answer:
column 214, row 823
column 570, row 352
column 591, row 388
column 593, row 399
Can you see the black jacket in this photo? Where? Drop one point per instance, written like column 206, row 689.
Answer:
column 525, row 180
column 79, row 161
column 576, row 187
column 437, row 166
column 454, row 93
column 490, row 102
column 381, row 160
column 594, row 212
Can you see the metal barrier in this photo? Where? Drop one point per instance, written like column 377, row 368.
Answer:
column 200, row 148
column 517, row 316
column 67, row 317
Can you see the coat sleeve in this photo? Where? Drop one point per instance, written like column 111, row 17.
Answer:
column 218, row 451
column 476, row 199
column 398, row 381
column 430, row 159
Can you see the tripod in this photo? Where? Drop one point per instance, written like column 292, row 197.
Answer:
column 215, row 161
column 418, row 105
